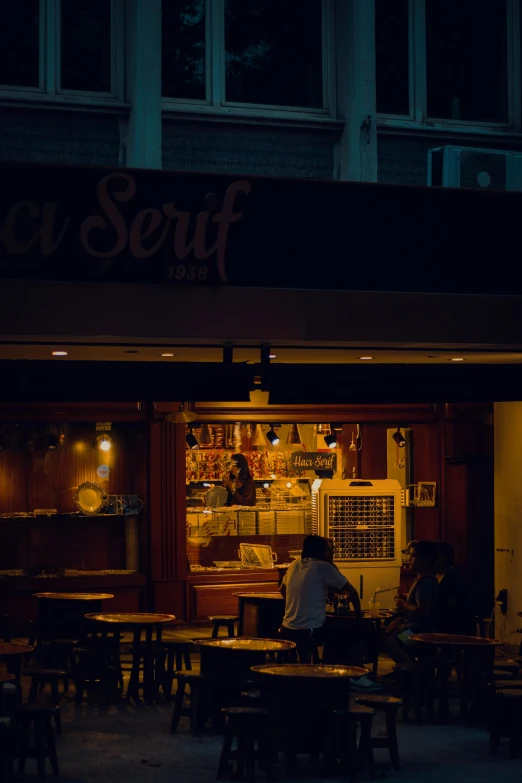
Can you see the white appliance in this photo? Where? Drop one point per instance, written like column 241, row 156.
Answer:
column 363, row 518
column 473, row 167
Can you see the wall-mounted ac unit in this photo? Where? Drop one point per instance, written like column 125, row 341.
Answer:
column 471, row 167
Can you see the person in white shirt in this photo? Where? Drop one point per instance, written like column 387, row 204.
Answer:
column 305, row 589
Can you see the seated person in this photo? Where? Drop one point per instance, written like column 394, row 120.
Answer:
column 416, row 612
column 305, row 588
column 453, row 604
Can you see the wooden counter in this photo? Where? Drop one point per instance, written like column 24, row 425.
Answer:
column 213, row 592
column 18, row 601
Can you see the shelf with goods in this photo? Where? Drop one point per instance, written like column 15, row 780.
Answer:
column 212, row 465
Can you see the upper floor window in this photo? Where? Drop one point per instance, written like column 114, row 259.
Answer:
column 449, row 63
column 257, row 54
column 66, row 47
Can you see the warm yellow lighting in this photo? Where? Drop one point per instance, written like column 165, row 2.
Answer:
column 80, row 446
column 457, row 359
column 289, row 484
column 272, row 356
column 105, row 444
column 60, row 353
column 366, row 358
column 167, row 354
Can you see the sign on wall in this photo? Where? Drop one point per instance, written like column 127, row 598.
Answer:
column 313, row 460
column 79, row 223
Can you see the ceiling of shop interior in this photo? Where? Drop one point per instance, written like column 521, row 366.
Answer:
column 106, row 350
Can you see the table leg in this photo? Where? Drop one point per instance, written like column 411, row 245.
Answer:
column 133, row 688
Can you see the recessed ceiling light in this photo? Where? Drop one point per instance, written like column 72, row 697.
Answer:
column 272, row 356
column 366, row 358
column 457, row 359
column 60, row 353
column 167, row 354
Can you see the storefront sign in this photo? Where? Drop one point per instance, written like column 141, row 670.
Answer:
column 313, row 460
column 74, row 223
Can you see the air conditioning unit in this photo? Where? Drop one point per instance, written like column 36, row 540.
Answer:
column 471, row 167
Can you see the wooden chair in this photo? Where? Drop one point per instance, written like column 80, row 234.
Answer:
column 353, row 758
column 417, row 688
column 389, row 705
column 223, row 620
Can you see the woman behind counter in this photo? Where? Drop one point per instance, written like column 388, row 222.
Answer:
column 240, row 486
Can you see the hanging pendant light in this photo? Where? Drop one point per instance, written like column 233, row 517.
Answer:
column 294, row 436
column 258, row 438
column 181, row 416
column 205, row 436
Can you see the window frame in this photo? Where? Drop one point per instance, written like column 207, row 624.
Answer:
column 49, row 87
column 215, row 96
column 418, row 116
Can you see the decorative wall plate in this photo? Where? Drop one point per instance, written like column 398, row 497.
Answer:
column 90, row 497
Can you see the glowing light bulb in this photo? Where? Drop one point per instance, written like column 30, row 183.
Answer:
column 105, row 444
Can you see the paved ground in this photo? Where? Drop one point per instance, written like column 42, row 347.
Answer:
column 125, row 743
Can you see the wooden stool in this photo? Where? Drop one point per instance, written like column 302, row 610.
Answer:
column 389, row 705
column 507, row 721
column 226, row 620
column 39, row 716
column 247, row 725
column 149, row 661
column 39, row 679
column 512, row 668
column 199, row 688
column 416, row 688
column 93, row 671
column 354, row 758
column 178, row 653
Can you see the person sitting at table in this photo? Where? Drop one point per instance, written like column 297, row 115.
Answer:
column 241, row 490
column 454, row 613
column 416, row 612
column 305, row 589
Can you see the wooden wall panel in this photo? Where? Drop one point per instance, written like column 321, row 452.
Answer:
column 373, row 461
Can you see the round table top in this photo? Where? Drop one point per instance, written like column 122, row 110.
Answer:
column 10, row 648
column 457, row 640
column 6, row 677
column 131, row 618
column 262, row 596
column 75, row 596
column 309, row 670
column 248, row 644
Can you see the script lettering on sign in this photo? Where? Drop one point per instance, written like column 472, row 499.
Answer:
column 313, row 460
column 111, row 232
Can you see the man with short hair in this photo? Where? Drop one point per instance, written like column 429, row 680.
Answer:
column 305, row 588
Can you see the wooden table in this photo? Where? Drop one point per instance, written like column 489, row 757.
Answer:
column 477, row 657
column 12, row 654
column 152, row 624
column 62, row 615
column 348, row 640
column 260, row 614
column 228, row 663
column 301, row 699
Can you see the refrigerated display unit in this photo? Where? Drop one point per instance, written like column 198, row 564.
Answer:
column 363, row 518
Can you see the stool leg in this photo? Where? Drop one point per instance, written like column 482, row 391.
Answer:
column 365, row 751
column 215, row 630
column 51, row 748
column 230, row 629
column 391, row 731
column 186, row 658
column 39, row 736
column 33, row 691
column 178, row 707
column 195, row 714
column 225, row 750
column 23, row 745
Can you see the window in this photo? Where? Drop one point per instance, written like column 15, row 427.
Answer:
column 247, row 55
column 447, row 62
column 67, row 47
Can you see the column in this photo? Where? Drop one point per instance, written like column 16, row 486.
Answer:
column 356, row 154
column 143, row 83
column 508, row 516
